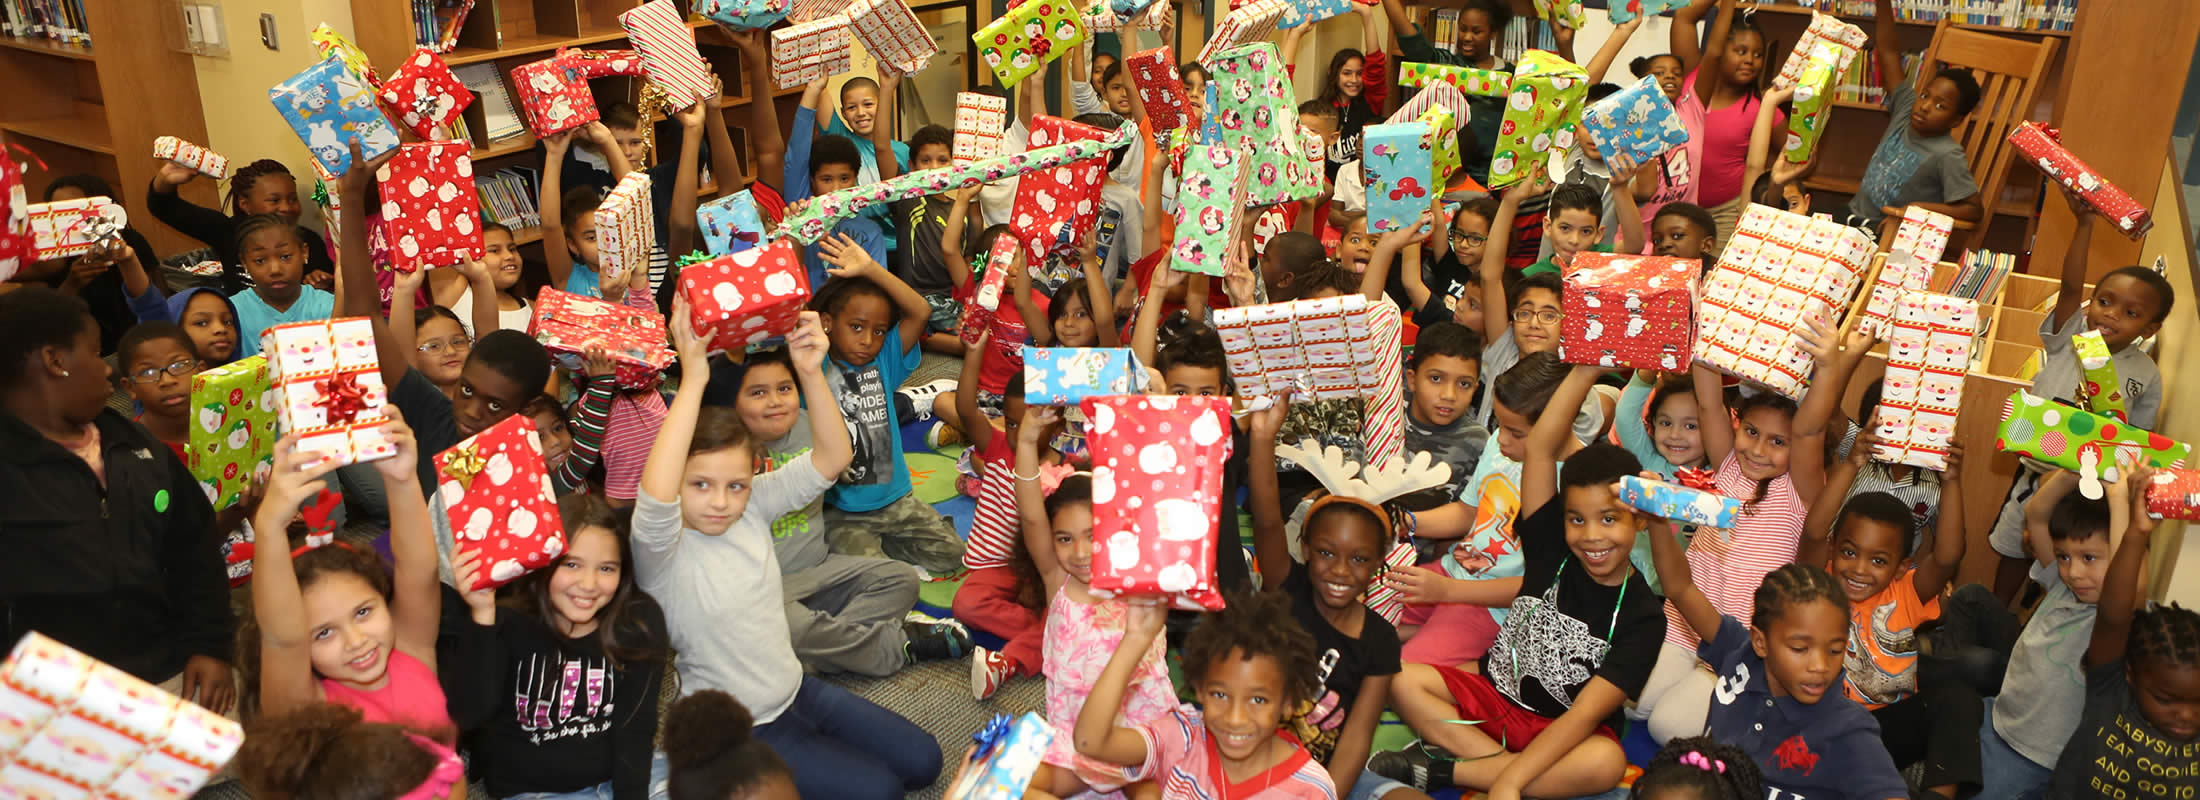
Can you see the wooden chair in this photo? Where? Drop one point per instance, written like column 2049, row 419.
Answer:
column 2008, row 70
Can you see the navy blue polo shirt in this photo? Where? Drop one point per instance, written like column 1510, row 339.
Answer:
column 1828, row 750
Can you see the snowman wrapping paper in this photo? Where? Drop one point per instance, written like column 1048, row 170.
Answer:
column 1031, row 35
column 328, row 378
column 73, row 727
column 431, row 213
column 232, row 444
column 496, row 490
column 568, row 324
column 2174, row 494
column 328, row 106
column 1679, row 503
column 554, row 97
column 199, row 159
column 1636, row 120
column 1057, row 208
column 1928, row 352
column 1159, row 85
column 425, row 94
column 1254, row 116
column 748, row 297
column 2042, row 145
column 2100, row 449
column 1064, row 376
column 1629, row 311
column 1156, row 495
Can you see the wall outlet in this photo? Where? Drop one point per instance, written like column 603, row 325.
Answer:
column 203, row 31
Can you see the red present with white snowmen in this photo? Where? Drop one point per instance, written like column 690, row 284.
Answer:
column 747, row 297
column 1156, row 495
column 430, row 210
column 1629, row 311
column 497, row 492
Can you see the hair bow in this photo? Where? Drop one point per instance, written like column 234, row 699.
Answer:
column 1699, row 761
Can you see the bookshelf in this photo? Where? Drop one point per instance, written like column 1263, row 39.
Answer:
column 96, row 108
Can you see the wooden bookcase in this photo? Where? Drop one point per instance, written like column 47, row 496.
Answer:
column 96, row 109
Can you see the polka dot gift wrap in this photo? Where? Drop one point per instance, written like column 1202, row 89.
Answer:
column 497, row 492
column 1156, row 495
column 2100, row 449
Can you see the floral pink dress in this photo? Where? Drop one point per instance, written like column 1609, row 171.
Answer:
column 1079, row 641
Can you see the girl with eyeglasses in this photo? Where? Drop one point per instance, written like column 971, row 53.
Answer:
column 433, row 337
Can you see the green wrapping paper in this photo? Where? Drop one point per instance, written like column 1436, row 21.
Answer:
column 1443, row 145
column 1468, row 80
column 2102, row 391
column 1542, row 108
column 2097, row 447
column 232, row 429
column 1814, row 99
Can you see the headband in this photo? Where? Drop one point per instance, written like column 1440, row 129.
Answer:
column 447, row 773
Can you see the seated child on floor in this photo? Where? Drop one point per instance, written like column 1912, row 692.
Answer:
column 271, row 250
column 714, row 753
column 999, row 564
column 155, row 362
column 1698, row 768
column 324, row 750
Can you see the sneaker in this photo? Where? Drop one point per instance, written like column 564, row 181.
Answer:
column 934, row 640
column 941, row 435
column 1421, row 765
column 989, row 671
column 921, row 397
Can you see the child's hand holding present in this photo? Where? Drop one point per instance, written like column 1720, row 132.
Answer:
column 847, row 259
column 404, row 466
column 806, row 345
column 482, row 602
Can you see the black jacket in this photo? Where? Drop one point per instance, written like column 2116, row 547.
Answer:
column 219, row 231
column 130, row 573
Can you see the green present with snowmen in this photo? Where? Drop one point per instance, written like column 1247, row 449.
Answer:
column 232, row 429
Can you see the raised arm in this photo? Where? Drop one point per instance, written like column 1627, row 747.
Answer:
column 1886, row 45
column 882, row 126
column 550, row 201
column 1685, row 41
column 484, row 290
column 966, row 401
column 952, row 235
column 1940, row 563
column 2071, row 295
column 1825, row 512
column 1103, row 307
column 687, row 177
column 2054, row 486
column 1097, row 735
column 1761, row 136
column 1679, row 583
column 1713, row 421
column 417, row 608
column 286, row 639
column 831, row 451
column 1547, row 440
column 404, row 329
column 1270, row 547
column 1624, row 172
column 848, row 260
column 2120, row 594
column 767, row 143
column 1031, row 502
column 667, row 462
column 1020, row 294
column 1148, row 328
column 1376, row 279
column 355, row 268
column 1829, row 383
column 1496, row 313
column 1602, row 61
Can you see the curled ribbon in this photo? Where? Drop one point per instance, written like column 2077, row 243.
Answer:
column 1697, row 760
column 342, row 397
column 1697, row 478
column 696, row 257
column 464, row 462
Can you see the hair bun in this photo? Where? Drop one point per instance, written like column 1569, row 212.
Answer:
column 702, row 727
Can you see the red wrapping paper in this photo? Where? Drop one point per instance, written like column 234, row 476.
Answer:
column 425, row 94
column 1157, row 495
column 2043, row 146
column 747, row 297
column 589, row 64
column 497, row 492
column 1056, row 209
column 568, row 324
column 1629, row 311
column 2174, row 494
column 553, row 96
column 1162, row 88
column 431, row 213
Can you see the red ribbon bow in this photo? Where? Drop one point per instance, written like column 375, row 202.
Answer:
column 343, row 397
column 1697, row 478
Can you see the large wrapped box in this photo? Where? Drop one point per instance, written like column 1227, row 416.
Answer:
column 328, row 106
column 1542, row 105
column 232, row 443
column 1679, row 503
column 2098, row 448
column 1257, row 119
column 2042, row 145
column 1908, row 267
column 328, row 379
column 1778, row 270
column 1065, row 376
column 334, row 45
column 811, row 50
column 1623, row 10
column 744, row 14
column 892, row 33
column 1399, row 168
column 1636, row 120
column 569, row 324
column 425, row 94
column 1029, row 36
column 1157, row 464
column 1928, row 352
column 1821, row 28
column 730, row 224
column 2174, row 494
column 205, row 162
column 1248, row 24
column 430, row 210
column 660, row 31
column 2102, row 390
column 1210, row 202
column 1007, row 757
column 553, row 97
column 1629, row 311
column 981, row 124
column 1055, row 209
column 1467, row 80
column 1161, row 88
column 72, row 727
column 747, row 297
column 626, row 228
column 1323, row 349
column 1826, row 62
column 71, row 228
column 496, row 490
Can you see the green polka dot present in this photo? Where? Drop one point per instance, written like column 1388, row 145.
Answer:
column 2097, row 447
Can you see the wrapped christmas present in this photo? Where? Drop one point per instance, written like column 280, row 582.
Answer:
column 1055, row 209
column 1028, row 37
column 1629, row 311
column 431, row 212
column 328, row 106
column 205, row 162
column 1007, row 756
column 1821, row 28
column 232, row 444
column 810, row 50
column 981, row 124
column 2174, row 494
column 1467, row 80
column 748, row 297
column 730, row 224
column 1928, row 353
column 2042, row 145
column 1918, row 243
column 626, row 227
column 660, row 31
column 333, row 45
column 2102, row 391
column 744, row 14
column 554, row 98
column 569, row 324
column 1562, row 12
column 1678, row 503
column 328, row 379
column 71, row 228
column 425, row 94
column 1777, row 271
column 1066, row 376
column 1624, row 10
column 1157, row 495
column 1398, row 165
column 1210, row 200
column 2100, row 449
column 892, row 33
column 1814, row 96
column 1636, row 120
column 1161, row 88
column 1542, row 106
column 1256, row 118
column 496, row 490
column 72, row 727
column 1253, row 22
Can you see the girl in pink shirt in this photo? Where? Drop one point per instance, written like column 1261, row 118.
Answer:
column 1719, row 101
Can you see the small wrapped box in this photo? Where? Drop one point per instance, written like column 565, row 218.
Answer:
column 72, row 727
column 425, row 94
column 626, row 227
column 1101, row 19
column 592, row 64
column 205, row 162
column 730, row 224
column 1624, row 10
column 1562, row 12
column 430, row 210
column 1918, row 243
column 70, row 228
column 1056, row 209
column 1679, row 503
column 1541, row 107
column 747, row 297
column 329, row 383
column 554, row 98
column 1025, row 39
column 1398, row 166
column 744, row 14
column 981, row 123
column 1161, row 87
column 2174, row 494
column 1636, row 120
column 893, row 34
column 1157, row 495
column 569, row 324
column 811, row 50
column 328, row 106
column 1252, row 22
column 1256, row 118
column 2042, row 145
column 1000, row 261
column 1308, row 12
column 1923, row 234
column 1928, row 352
column 1777, row 270
column 1007, row 757
column 1468, row 80
column 1210, row 201
column 1629, row 311
column 1063, row 376
column 660, row 31
column 2098, row 448
column 1827, row 61
column 2102, row 392
column 1821, row 28
column 232, row 442
column 496, row 491
column 334, row 45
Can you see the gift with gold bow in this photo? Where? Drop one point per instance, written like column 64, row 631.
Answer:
column 495, row 486
column 329, row 393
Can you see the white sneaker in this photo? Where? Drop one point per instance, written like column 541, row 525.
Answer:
column 921, row 397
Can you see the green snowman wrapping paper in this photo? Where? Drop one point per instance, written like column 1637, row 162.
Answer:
column 1542, row 107
column 232, row 429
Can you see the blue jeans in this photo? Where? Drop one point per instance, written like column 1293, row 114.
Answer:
column 602, row 791
column 2005, row 773
column 1371, row 786
column 843, row 746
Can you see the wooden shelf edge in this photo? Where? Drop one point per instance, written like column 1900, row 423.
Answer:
column 82, row 134
column 500, row 148
column 48, row 47
column 524, row 45
column 1788, row 8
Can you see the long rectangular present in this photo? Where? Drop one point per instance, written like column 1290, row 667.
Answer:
column 1064, row 376
column 1055, row 209
column 1157, row 495
column 328, row 380
column 1398, row 166
column 328, row 106
column 73, row 727
column 1024, row 40
column 748, row 297
column 2042, row 145
column 626, row 227
column 1256, row 118
column 588, row 64
column 981, row 124
column 1814, row 96
column 811, row 222
column 1918, row 243
column 744, row 14
column 1468, row 80
column 232, row 429
column 1251, row 23
column 2094, row 446
column 1636, row 120
column 1928, row 354
column 430, row 210
column 70, row 228
column 568, row 324
column 1307, row 12
column 660, row 31
column 892, row 33
column 1623, row 10
column 205, row 162
column 1821, row 28
column 496, row 491
column 1210, row 202
column 1777, row 271
column 1679, row 503
column 1629, row 311
column 2174, row 494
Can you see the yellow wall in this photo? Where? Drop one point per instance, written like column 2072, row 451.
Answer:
column 2178, row 579
column 240, row 122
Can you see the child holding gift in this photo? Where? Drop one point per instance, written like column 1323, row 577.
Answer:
column 1449, row 288
column 1917, row 162
column 261, row 187
column 208, row 316
column 441, row 337
column 1532, row 306
column 714, row 753
column 864, row 113
column 1355, row 84
column 702, row 544
column 1656, row 420
column 998, row 563
column 932, row 264
column 1481, row 23
column 582, row 615
column 572, row 444
column 89, row 276
column 1720, row 100
column 569, row 216
column 819, row 166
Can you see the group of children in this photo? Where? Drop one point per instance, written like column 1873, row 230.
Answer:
column 1812, row 650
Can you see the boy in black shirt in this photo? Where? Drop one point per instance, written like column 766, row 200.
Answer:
column 926, row 260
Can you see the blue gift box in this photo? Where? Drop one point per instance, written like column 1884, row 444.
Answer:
column 1624, row 10
column 1636, row 120
column 744, row 14
column 1399, row 167
column 328, row 106
column 730, row 224
column 1679, row 503
column 1308, row 12
column 1008, row 755
column 1062, row 376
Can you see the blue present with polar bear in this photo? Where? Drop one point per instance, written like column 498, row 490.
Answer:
column 1636, row 120
column 1679, row 503
column 1008, row 755
column 1062, row 376
column 329, row 106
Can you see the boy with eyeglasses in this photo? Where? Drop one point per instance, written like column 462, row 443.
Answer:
column 1532, row 303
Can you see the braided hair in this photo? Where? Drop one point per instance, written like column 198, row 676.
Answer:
column 2164, row 634
column 249, row 175
column 1701, row 765
column 1793, row 585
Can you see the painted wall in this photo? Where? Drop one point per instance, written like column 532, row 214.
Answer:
column 2176, row 568
column 240, row 123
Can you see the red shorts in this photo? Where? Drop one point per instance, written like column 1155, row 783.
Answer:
column 1501, row 719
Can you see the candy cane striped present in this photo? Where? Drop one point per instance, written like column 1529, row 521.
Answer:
column 660, row 31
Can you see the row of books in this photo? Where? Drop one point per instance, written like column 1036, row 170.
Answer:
column 436, row 22
column 1982, row 274
column 1862, row 82
column 59, row 20
column 2030, row 15
column 500, row 117
column 508, row 197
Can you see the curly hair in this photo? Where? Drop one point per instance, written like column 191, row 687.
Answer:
column 311, row 566
column 1251, row 625
column 1793, row 585
column 326, row 752
column 1682, row 766
column 712, row 749
column 2164, row 634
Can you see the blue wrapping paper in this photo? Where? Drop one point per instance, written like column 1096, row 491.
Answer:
column 1397, row 164
column 1679, row 503
column 328, row 106
column 730, row 224
column 1636, row 120
column 745, row 14
column 1008, row 755
column 1063, row 376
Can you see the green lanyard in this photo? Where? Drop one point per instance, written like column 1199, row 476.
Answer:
column 1609, row 628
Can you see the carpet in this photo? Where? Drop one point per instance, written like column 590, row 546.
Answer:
column 936, row 696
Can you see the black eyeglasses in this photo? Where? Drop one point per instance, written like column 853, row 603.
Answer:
column 180, row 368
